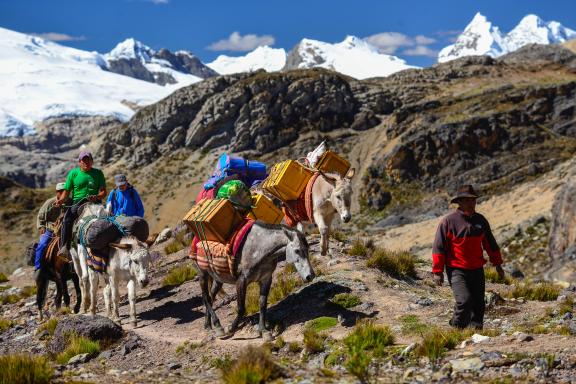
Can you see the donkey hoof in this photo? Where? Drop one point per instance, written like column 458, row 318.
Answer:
column 266, row 335
column 219, row 331
column 134, row 323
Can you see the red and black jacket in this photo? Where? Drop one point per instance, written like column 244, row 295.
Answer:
column 460, row 240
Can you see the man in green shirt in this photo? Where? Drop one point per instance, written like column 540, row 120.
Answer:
column 85, row 184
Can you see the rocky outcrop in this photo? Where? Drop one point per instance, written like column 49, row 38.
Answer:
column 562, row 245
column 259, row 112
column 185, row 62
column 45, row 158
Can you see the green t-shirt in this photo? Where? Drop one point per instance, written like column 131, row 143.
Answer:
column 83, row 184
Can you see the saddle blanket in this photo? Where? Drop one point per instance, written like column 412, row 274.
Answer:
column 98, row 259
column 219, row 257
column 301, row 209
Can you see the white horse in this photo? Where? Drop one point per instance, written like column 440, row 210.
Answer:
column 128, row 261
column 331, row 195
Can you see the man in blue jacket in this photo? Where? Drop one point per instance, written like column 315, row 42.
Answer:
column 124, row 200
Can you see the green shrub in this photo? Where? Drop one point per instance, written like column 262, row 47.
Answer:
column 253, row 366
column 411, row 325
column 358, row 248
column 294, row 347
column 346, row 300
column 544, row 291
column 339, row 236
column 49, row 326
column 222, row 363
column 367, row 336
column 492, row 276
column 10, row 299
column 179, row 275
column 5, row 324
column 78, row 345
column 186, row 347
column 24, row 369
column 437, row 341
column 357, row 364
column 395, row 263
column 27, row 291
column 566, row 306
column 321, row 323
column 313, row 341
column 173, row 247
column 3, row 278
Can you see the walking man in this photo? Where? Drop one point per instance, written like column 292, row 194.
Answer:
column 46, row 223
column 124, row 199
column 85, row 183
column 460, row 240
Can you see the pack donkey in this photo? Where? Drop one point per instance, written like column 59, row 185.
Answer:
column 263, row 247
column 129, row 260
column 331, row 195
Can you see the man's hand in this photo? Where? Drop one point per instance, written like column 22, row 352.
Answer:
column 438, row 278
column 500, row 272
column 58, row 203
column 42, row 231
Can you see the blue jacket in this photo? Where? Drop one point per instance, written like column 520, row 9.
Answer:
column 126, row 203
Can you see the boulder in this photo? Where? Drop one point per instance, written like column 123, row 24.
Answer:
column 96, row 328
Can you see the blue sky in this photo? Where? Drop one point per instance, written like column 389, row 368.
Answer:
column 415, row 29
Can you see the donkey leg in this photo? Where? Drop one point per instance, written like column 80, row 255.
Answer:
column 106, row 293
column 76, row 283
column 115, row 298
column 132, row 301
column 241, row 299
column 59, row 290
column 208, row 304
column 204, row 287
column 216, row 287
column 94, row 280
column 65, row 294
column 264, row 290
column 41, row 288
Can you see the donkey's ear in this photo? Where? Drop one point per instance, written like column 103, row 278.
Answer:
column 350, row 174
column 121, row 246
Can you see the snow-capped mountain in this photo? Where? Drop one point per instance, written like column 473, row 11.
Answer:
column 480, row 37
column 267, row 58
column 40, row 79
column 353, row 57
column 134, row 59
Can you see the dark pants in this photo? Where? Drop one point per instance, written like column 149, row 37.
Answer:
column 468, row 288
column 68, row 222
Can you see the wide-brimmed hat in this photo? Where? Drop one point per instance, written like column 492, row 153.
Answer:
column 120, row 180
column 464, row 191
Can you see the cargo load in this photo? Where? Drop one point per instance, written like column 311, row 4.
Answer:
column 248, row 171
column 213, row 219
column 331, row 162
column 287, row 180
column 101, row 232
column 237, row 192
column 264, row 209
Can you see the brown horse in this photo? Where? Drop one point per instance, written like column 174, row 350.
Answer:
column 56, row 269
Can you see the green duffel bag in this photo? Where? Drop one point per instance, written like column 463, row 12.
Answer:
column 237, row 192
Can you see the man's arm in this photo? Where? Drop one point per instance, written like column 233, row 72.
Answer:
column 439, row 253
column 41, row 218
column 492, row 249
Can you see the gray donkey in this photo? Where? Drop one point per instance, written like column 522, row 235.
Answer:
column 264, row 245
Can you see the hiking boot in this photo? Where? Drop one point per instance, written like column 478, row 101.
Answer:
column 64, row 253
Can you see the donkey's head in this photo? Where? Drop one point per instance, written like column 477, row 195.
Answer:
column 136, row 256
column 341, row 196
column 297, row 254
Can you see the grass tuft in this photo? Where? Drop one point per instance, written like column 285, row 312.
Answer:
column 358, row 248
column 411, row 325
column 5, row 324
column 78, row 345
column 281, row 287
column 313, row 340
column 49, row 326
column 437, row 341
column 346, row 300
column 321, row 323
column 3, row 278
column 544, row 291
column 179, row 275
column 173, row 247
column 25, row 369
column 395, row 263
column 253, row 366
column 492, row 276
column 339, row 236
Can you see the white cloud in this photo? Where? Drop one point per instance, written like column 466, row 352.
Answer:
column 237, row 42
column 420, row 50
column 55, row 36
column 391, row 42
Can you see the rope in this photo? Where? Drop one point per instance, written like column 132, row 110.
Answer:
column 120, row 227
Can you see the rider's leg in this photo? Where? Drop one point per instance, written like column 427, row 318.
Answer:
column 41, row 248
column 66, row 232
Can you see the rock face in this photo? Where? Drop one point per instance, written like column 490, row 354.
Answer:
column 259, row 112
column 45, row 158
column 562, row 245
column 95, row 328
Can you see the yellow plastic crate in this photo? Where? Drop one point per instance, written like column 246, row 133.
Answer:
column 331, row 162
column 213, row 220
column 287, row 180
column 265, row 210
